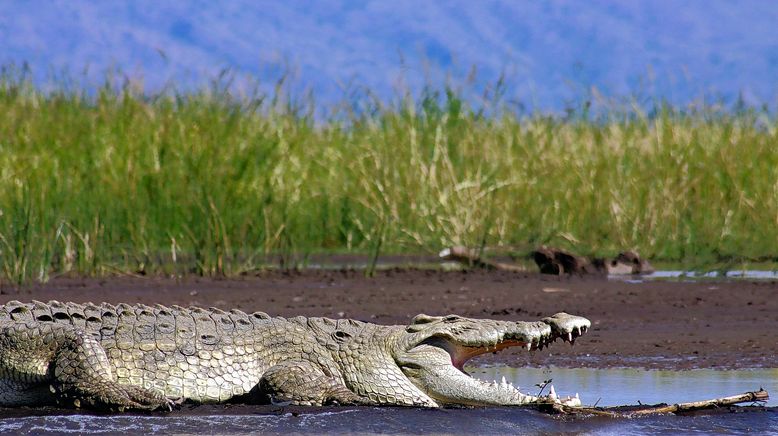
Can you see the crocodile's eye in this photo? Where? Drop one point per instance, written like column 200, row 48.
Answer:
column 451, row 318
column 423, row 319
column 341, row 335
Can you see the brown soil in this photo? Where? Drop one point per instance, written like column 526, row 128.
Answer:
column 656, row 324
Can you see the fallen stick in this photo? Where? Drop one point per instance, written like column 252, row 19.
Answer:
column 631, row 411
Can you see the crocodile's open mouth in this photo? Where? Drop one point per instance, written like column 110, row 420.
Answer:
column 436, row 364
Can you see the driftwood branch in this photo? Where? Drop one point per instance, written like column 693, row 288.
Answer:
column 630, row 411
column 472, row 258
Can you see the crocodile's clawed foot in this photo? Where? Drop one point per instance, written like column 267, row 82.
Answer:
column 144, row 399
column 174, row 403
column 567, row 327
column 168, row 405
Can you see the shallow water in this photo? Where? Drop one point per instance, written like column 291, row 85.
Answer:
column 620, row 386
column 695, row 275
column 611, row 386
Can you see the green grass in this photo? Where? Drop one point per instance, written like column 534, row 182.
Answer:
column 212, row 183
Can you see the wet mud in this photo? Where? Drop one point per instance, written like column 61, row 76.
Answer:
column 239, row 419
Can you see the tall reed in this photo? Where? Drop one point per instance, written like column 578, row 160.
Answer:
column 212, row 183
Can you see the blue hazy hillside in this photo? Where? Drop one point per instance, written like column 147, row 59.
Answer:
column 549, row 51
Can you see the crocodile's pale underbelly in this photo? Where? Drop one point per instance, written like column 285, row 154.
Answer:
column 202, row 376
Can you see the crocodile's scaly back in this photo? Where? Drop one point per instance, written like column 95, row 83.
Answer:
column 144, row 357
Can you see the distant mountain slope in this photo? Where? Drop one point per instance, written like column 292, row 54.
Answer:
column 550, row 50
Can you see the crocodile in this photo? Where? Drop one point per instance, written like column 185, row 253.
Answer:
column 139, row 357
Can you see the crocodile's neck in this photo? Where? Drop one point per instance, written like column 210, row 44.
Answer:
column 364, row 355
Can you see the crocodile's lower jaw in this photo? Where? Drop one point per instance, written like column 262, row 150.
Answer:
column 503, row 390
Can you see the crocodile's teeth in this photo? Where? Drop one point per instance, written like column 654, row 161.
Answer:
column 504, row 382
column 528, row 346
column 570, row 337
column 552, row 395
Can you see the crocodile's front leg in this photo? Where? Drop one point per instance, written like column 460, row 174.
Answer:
column 302, row 383
column 74, row 365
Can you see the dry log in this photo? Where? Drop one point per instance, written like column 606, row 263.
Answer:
column 631, row 411
column 470, row 257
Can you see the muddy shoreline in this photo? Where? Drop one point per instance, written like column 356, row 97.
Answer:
column 726, row 324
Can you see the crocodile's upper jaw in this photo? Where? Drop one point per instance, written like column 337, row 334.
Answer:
column 435, row 361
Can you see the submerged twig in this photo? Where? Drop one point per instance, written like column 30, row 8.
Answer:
column 542, row 385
